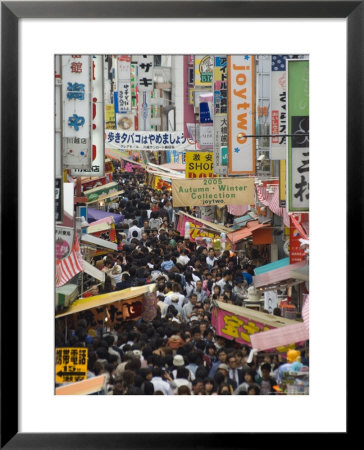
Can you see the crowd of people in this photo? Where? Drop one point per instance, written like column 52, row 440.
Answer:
column 178, row 352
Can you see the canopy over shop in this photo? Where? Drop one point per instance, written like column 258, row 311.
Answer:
column 103, row 311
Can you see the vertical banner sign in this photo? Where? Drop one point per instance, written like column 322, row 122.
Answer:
column 204, row 66
column 59, row 200
column 296, row 253
column 220, row 81
column 298, row 144
column 76, row 89
column 241, row 114
column 98, row 120
column 220, row 144
column 145, row 73
column 123, row 101
column 199, row 164
column 220, row 85
column 278, row 107
column 282, row 183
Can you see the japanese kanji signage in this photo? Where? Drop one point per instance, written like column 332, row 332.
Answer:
column 145, row 73
column 298, row 145
column 97, row 133
column 199, row 164
column 220, row 85
column 220, row 144
column 296, row 253
column 76, row 89
column 64, row 241
column 147, row 140
column 122, row 99
column 213, row 191
column 278, row 107
column 71, row 364
column 241, row 114
column 239, row 327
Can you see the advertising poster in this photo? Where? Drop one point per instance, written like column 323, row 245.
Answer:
column 199, row 164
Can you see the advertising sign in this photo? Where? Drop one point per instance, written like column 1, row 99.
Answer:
column 206, row 136
column 204, row 66
column 213, row 191
column 59, row 199
column 64, row 241
column 278, row 107
column 220, row 144
column 147, row 140
column 220, row 85
column 145, row 73
column 296, row 253
column 239, row 323
column 199, row 164
column 241, row 114
column 76, row 101
column 97, row 133
column 298, row 164
column 71, row 364
column 109, row 117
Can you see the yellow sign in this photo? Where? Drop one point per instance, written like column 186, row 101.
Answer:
column 282, row 180
column 110, row 117
column 71, row 364
column 213, row 191
column 199, row 164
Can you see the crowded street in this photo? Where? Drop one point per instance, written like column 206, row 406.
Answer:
column 182, row 225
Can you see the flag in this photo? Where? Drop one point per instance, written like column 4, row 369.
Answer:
column 69, row 267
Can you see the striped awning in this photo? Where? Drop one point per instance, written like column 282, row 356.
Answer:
column 278, row 275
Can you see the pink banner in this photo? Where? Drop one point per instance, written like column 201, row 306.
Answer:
column 195, row 228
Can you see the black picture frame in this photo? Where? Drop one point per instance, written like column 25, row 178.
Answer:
column 11, row 13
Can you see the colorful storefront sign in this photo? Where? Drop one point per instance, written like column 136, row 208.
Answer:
column 76, row 101
column 196, row 229
column 241, row 114
column 213, row 191
column 110, row 117
column 298, row 164
column 238, row 323
column 199, row 164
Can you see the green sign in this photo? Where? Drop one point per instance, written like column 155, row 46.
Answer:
column 298, row 139
column 224, row 156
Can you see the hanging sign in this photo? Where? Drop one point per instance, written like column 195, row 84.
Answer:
column 204, row 66
column 97, row 133
column 145, row 73
column 213, row 191
column 76, row 89
column 199, row 164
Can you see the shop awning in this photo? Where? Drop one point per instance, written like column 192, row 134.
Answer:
column 96, row 214
column 85, row 387
column 97, row 301
column 245, row 232
column 219, row 228
column 278, row 275
column 105, row 197
column 301, row 273
column 174, row 166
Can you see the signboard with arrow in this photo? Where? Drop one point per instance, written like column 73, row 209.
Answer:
column 71, row 364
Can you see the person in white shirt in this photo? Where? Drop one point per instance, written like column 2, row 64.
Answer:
column 160, row 384
column 176, row 292
column 183, row 258
column 211, row 258
column 134, row 227
column 115, row 275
